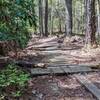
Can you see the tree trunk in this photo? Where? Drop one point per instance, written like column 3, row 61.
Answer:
column 90, row 23
column 74, row 31
column 99, row 5
column 99, row 17
column 51, row 18
column 68, row 17
column 52, row 25
column 46, row 18
column 41, row 17
column 60, row 26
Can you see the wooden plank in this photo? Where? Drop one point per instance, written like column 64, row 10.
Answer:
column 89, row 85
column 66, row 70
column 57, row 70
column 77, row 69
column 40, row 71
column 73, row 65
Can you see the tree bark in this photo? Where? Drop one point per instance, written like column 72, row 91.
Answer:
column 51, row 18
column 41, row 17
column 99, row 18
column 99, row 4
column 68, row 17
column 46, row 18
column 90, row 23
column 60, row 25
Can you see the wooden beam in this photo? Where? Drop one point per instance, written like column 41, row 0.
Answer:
column 89, row 85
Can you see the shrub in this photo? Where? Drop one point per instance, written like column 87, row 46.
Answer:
column 15, row 18
column 13, row 81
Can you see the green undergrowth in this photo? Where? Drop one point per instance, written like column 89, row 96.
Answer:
column 16, row 17
column 13, row 81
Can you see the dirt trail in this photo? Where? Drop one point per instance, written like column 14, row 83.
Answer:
column 65, row 55
column 58, row 87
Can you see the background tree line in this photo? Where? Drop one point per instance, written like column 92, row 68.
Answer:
column 69, row 17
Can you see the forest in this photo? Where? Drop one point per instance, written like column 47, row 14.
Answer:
column 49, row 49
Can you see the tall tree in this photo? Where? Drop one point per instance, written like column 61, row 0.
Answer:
column 46, row 18
column 98, row 17
column 60, row 20
column 90, row 23
column 51, row 17
column 99, row 4
column 68, row 17
column 41, row 17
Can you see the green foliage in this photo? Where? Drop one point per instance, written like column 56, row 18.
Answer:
column 12, row 76
column 16, row 94
column 15, row 18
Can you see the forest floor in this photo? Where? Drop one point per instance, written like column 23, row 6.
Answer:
column 51, row 53
column 69, row 53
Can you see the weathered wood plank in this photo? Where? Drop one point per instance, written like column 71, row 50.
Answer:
column 66, row 69
column 89, row 85
column 57, row 70
column 49, row 70
column 40, row 71
column 76, row 69
column 73, row 65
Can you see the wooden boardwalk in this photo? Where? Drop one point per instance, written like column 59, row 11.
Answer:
column 60, row 70
column 59, row 66
column 89, row 85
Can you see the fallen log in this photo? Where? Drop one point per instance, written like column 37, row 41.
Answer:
column 30, row 64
